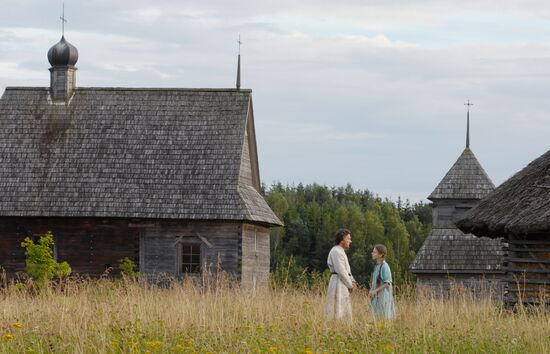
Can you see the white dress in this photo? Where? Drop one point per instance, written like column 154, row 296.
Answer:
column 338, row 297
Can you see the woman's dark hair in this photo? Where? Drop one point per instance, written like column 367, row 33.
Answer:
column 340, row 234
column 382, row 250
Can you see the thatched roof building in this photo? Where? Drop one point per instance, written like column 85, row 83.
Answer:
column 520, row 206
column 519, row 210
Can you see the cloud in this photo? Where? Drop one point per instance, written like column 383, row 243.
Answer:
column 376, row 88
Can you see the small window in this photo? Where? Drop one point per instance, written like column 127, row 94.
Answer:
column 190, row 258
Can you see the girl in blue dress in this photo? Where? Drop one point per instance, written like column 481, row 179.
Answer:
column 381, row 294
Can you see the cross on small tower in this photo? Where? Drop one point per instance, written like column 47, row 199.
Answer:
column 63, row 21
column 468, row 104
column 239, row 41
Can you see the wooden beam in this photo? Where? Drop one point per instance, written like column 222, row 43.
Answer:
column 522, row 270
column 528, row 260
column 143, row 225
column 519, row 249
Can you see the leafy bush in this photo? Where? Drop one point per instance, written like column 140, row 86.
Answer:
column 40, row 263
column 128, row 267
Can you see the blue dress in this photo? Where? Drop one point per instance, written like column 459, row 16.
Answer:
column 382, row 303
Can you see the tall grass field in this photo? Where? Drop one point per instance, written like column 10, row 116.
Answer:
column 124, row 316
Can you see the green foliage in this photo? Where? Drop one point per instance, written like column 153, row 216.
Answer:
column 128, row 267
column 40, row 263
column 313, row 213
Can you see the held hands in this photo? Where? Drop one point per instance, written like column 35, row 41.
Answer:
column 372, row 293
column 354, row 286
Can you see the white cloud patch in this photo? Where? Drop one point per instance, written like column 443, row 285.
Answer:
column 376, row 88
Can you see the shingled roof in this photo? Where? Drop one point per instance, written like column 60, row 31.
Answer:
column 134, row 153
column 465, row 180
column 521, row 205
column 449, row 250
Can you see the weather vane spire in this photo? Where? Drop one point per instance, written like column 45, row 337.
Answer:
column 468, row 104
column 63, row 21
column 239, row 65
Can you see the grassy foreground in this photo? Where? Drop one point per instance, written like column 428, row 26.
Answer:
column 105, row 316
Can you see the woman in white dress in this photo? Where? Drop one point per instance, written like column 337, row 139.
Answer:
column 341, row 282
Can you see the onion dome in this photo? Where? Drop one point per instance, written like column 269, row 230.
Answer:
column 63, row 53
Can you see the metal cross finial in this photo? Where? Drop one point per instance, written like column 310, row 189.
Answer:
column 468, row 104
column 63, row 20
column 239, row 41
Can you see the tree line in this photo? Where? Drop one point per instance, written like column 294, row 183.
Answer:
column 312, row 213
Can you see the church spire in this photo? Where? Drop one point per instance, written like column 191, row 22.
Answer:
column 62, row 57
column 468, row 104
column 239, row 65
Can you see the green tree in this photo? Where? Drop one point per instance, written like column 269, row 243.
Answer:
column 312, row 213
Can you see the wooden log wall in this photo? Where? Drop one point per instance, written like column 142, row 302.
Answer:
column 255, row 256
column 527, row 267
column 220, row 246
column 479, row 285
column 92, row 245
column 446, row 212
column 89, row 245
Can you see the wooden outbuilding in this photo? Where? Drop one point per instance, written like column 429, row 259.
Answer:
column 448, row 257
column 166, row 177
column 519, row 210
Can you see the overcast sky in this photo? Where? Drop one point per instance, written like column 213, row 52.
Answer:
column 366, row 92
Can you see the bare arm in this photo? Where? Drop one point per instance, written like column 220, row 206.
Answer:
column 375, row 292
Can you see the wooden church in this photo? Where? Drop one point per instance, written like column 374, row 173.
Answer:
column 519, row 210
column 166, row 177
column 449, row 257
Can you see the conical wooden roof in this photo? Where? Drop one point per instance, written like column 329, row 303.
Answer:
column 465, row 180
column 521, row 205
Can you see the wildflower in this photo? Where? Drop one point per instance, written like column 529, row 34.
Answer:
column 8, row 336
column 17, row 325
column 307, row 351
column 190, row 342
column 272, row 350
column 153, row 345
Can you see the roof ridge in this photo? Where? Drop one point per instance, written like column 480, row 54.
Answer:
column 19, row 88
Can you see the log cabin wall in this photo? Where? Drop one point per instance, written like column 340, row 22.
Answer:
column 89, row 245
column 92, row 245
column 479, row 285
column 255, row 256
column 527, row 269
column 160, row 241
column 446, row 212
